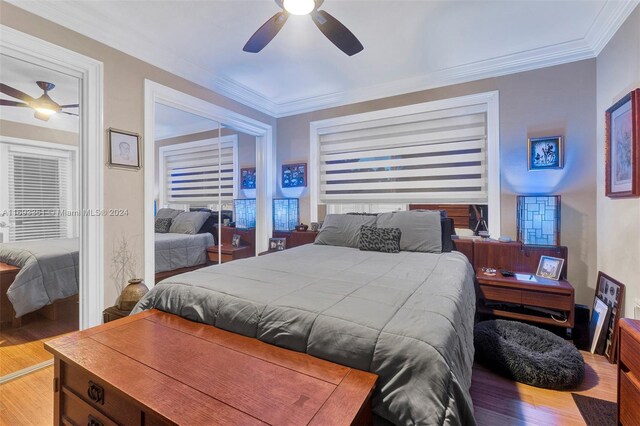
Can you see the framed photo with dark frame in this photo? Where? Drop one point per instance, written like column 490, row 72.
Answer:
column 294, row 175
column 277, row 244
column 611, row 292
column 622, row 147
column 248, row 178
column 550, row 267
column 124, row 149
column 545, row 153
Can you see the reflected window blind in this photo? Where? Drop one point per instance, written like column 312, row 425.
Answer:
column 437, row 157
column 38, row 193
column 193, row 174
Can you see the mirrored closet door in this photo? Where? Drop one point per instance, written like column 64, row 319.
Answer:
column 39, row 211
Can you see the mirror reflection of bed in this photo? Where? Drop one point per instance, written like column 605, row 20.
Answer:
column 205, row 192
column 39, row 190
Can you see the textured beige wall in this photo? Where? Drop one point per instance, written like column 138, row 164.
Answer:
column 559, row 100
column 618, row 219
column 124, row 78
column 37, row 133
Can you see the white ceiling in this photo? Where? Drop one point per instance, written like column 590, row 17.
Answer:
column 409, row 45
column 23, row 75
column 171, row 122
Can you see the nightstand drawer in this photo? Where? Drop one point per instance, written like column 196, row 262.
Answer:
column 499, row 294
column 547, row 300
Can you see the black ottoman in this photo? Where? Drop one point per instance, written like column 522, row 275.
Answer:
column 528, row 354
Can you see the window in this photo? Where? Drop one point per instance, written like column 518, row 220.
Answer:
column 437, row 152
column 38, row 192
column 200, row 173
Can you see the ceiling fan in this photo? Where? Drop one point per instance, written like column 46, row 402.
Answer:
column 44, row 106
column 335, row 31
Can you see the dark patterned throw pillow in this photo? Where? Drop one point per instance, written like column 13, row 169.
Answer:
column 385, row 240
column 163, row 224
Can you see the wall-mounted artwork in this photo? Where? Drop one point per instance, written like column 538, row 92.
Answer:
column 545, row 153
column 124, row 149
column 623, row 147
column 248, row 178
column 294, row 175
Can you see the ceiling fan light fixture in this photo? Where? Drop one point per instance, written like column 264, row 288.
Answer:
column 299, row 7
column 46, row 111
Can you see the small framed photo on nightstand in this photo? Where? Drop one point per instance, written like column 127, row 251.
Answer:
column 550, row 267
column 277, row 244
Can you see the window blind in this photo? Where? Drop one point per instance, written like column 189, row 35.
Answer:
column 437, row 156
column 196, row 175
column 38, row 194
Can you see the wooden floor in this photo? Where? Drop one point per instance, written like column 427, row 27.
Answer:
column 22, row 347
column 497, row 401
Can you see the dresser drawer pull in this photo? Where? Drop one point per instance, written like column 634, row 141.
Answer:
column 93, row 421
column 95, row 393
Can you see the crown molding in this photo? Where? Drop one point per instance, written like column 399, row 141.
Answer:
column 608, row 21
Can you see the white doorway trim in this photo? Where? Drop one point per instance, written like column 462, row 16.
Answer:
column 265, row 161
column 90, row 73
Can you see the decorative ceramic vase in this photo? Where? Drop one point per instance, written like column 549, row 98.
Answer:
column 131, row 294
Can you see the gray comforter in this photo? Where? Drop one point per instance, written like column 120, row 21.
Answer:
column 48, row 272
column 407, row 317
column 174, row 251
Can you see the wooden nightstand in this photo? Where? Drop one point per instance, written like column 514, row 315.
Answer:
column 229, row 253
column 547, row 294
column 296, row 238
column 113, row 313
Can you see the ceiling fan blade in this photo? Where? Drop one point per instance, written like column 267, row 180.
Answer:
column 7, row 102
column 69, row 113
column 266, row 33
column 70, row 106
column 15, row 93
column 337, row 33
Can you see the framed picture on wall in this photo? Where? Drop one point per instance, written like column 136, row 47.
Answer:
column 545, row 153
column 124, row 149
column 611, row 292
column 294, row 175
column 622, row 147
column 248, row 178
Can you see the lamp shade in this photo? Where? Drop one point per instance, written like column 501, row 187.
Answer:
column 286, row 213
column 539, row 219
column 245, row 212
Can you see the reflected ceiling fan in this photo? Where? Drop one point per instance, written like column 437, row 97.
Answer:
column 337, row 33
column 44, row 106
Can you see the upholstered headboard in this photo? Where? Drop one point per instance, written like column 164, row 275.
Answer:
column 458, row 212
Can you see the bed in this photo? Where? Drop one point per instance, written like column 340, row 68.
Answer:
column 48, row 273
column 177, row 251
column 407, row 317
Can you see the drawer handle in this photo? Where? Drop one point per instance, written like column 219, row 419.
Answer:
column 93, row 421
column 96, row 393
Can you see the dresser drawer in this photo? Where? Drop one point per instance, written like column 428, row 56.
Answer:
column 547, row 300
column 630, row 352
column 499, row 294
column 75, row 411
column 629, row 397
column 100, row 396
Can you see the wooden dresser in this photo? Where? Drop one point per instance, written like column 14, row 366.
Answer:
column 296, row 238
column 629, row 372
column 154, row 368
